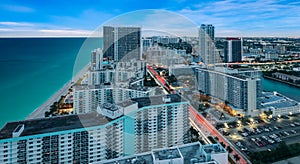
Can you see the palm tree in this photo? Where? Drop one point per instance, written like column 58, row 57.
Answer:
column 229, row 149
column 236, row 157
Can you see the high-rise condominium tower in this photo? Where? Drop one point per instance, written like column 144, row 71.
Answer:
column 122, row 43
column 233, row 50
column 96, row 60
column 206, row 43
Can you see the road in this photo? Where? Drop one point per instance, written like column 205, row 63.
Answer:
column 258, row 63
column 160, row 80
column 221, row 138
column 40, row 111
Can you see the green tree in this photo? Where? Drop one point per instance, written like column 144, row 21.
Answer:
column 223, row 144
column 47, row 114
column 229, row 149
column 236, row 157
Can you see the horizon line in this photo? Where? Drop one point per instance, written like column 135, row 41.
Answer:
column 80, row 36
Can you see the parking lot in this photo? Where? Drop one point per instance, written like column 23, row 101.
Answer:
column 256, row 134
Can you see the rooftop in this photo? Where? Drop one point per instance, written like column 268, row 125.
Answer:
column 143, row 158
column 62, row 123
column 215, row 148
column 189, row 153
column 276, row 101
column 109, row 106
column 88, row 87
column 166, row 154
column 271, row 98
column 158, row 100
column 284, row 104
column 54, row 124
column 286, row 75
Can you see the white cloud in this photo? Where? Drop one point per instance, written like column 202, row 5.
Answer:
column 16, row 24
column 17, row 8
column 64, row 32
column 156, row 21
column 88, row 19
column 247, row 17
column 24, row 29
column 44, row 33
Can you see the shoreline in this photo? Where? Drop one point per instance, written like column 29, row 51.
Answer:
column 279, row 80
column 39, row 112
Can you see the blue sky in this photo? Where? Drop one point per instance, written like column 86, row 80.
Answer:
column 79, row 18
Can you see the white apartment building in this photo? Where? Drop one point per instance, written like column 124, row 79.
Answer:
column 206, row 43
column 241, row 89
column 119, row 73
column 94, row 137
column 165, row 57
column 88, row 97
column 87, row 138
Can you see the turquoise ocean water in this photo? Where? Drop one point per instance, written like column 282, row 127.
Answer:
column 33, row 69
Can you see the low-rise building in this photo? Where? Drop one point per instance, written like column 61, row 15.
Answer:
column 278, row 104
column 286, row 77
column 185, row 154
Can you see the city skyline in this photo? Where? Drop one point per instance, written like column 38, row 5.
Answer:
column 231, row 18
column 115, row 107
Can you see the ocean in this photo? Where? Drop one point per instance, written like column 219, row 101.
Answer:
column 33, row 69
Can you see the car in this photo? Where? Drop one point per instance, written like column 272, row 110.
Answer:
column 276, row 128
column 247, row 152
column 258, row 131
column 258, row 143
column 271, row 141
column 297, row 123
column 264, row 143
column 244, row 148
column 226, row 133
column 260, row 121
column 292, row 125
column 245, row 134
column 240, row 132
column 293, row 131
column 285, row 117
column 272, row 136
column 260, row 128
column 286, row 133
column 264, row 137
